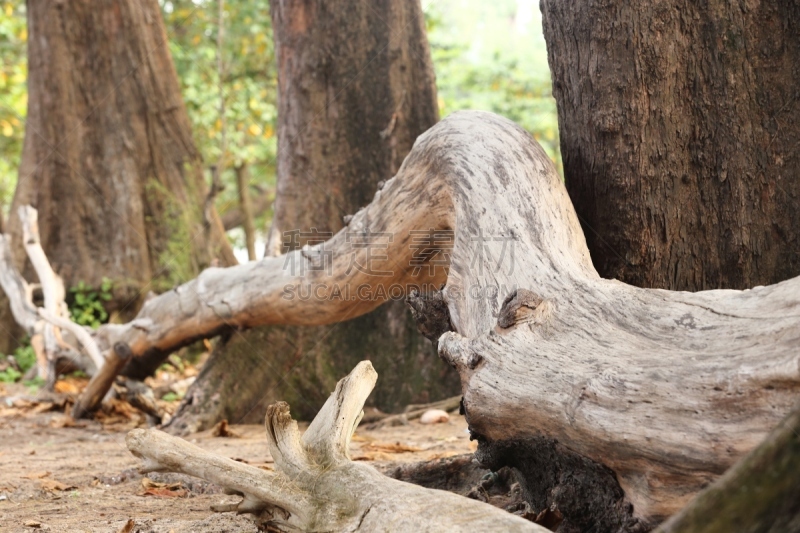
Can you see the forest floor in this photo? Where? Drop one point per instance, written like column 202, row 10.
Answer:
column 62, row 475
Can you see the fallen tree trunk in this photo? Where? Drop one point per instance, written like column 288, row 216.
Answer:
column 316, row 486
column 615, row 404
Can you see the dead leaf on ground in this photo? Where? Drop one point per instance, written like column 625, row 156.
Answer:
column 162, row 490
column 222, row 429
column 70, row 385
column 374, row 456
column 54, row 485
column 392, row 447
column 128, row 527
column 65, row 421
column 36, row 475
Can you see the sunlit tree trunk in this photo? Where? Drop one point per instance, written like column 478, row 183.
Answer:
column 356, row 87
column 108, row 159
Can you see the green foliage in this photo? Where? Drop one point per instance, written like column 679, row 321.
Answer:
column 13, row 94
column 10, row 375
column 249, row 86
column 87, row 307
column 25, row 357
column 171, row 397
column 33, row 385
column 492, row 56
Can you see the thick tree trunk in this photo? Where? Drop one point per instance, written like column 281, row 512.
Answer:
column 356, row 88
column 614, row 404
column 679, row 129
column 108, row 159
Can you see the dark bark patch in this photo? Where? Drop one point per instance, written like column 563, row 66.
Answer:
column 555, row 478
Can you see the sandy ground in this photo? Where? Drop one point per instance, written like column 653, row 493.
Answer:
column 55, row 476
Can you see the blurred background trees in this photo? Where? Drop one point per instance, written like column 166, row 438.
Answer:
column 487, row 55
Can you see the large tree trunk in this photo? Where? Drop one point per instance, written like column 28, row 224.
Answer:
column 679, row 129
column 356, row 88
column 615, row 404
column 108, row 159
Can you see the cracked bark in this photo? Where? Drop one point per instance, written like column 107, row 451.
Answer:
column 679, row 126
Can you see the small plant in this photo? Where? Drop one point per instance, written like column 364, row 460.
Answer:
column 171, row 397
column 10, row 375
column 33, row 385
column 25, row 358
column 87, row 307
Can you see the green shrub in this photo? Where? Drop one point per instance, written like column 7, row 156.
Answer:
column 87, row 307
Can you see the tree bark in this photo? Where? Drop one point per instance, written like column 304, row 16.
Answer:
column 356, row 88
column 614, row 404
column 108, row 158
column 242, row 184
column 679, row 128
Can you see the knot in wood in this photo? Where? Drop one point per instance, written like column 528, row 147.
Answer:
column 518, row 305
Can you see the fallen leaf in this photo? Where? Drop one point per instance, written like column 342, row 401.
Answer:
column 44, row 407
column 223, row 430
column 53, row 485
column 128, row 527
column 66, row 387
column 162, row 490
column 392, row 447
column 374, row 456
column 36, row 475
column 65, row 421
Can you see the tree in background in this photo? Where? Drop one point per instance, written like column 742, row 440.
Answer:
column 356, row 88
column 108, row 159
column 249, row 86
column 492, row 56
column 680, row 125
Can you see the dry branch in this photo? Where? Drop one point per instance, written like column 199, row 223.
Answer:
column 44, row 325
column 316, row 486
column 101, row 382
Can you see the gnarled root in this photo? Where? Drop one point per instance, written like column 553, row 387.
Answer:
column 316, row 487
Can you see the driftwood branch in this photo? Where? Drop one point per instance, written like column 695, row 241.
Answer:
column 652, row 394
column 101, row 382
column 19, row 293
column 316, row 487
column 81, row 333
column 44, row 325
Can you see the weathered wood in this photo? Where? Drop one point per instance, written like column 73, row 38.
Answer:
column 652, row 393
column 316, row 487
column 101, row 382
column 242, row 185
column 760, row 494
